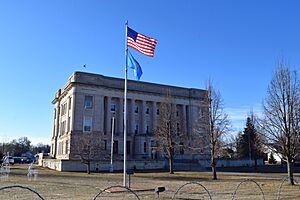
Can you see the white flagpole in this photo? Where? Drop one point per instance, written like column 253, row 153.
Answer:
column 125, row 107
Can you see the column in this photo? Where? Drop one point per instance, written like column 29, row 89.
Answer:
column 57, row 120
column 120, row 116
column 154, row 108
column 132, row 118
column 68, row 118
column 107, row 116
column 72, row 113
column 143, row 111
column 174, row 109
column 101, row 112
column 184, row 122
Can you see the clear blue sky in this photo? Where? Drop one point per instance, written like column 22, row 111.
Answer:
column 236, row 43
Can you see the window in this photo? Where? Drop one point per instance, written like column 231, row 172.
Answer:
column 87, row 124
column 105, row 144
column 136, row 129
column 147, row 111
column 178, row 128
column 145, row 147
column 157, row 111
column 88, row 102
column 147, row 129
column 112, row 107
column 128, row 147
column 59, row 147
column 181, row 150
column 67, row 147
column 63, row 109
column 116, row 147
column 62, row 127
column 136, row 109
column 69, row 124
column 177, row 113
column 62, row 148
column 70, row 102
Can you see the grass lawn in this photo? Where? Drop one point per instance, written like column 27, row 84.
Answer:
column 70, row 185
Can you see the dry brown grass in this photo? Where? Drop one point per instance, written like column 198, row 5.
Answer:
column 68, row 185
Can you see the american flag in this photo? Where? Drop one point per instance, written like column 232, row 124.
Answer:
column 141, row 43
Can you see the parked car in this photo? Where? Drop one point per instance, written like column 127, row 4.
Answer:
column 8, row 160
column 20, row 160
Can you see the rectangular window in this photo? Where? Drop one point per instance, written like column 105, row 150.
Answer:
column 147, row 111
column 67, row 147
column 87, row 124
column 105, row 144
column 116, row 147
column 147, row 129
column 145, row 147
column 136, row 129
column 177, row 113
column 178, row 128
column 181, row 149
column 112, row 107
column 62, row 127
column 136, row 109
column 88, row 102
column 62, row 148
column 70, row 101
column 63, row 109
column 58, row 149
column 69, row 124
column 157, row 111
column 128, row 147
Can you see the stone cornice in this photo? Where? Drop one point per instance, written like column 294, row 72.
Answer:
column 96, row 80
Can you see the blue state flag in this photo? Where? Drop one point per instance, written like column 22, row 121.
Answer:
column 133, row 64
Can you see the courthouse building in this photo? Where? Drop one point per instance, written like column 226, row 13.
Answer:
column 88, row 103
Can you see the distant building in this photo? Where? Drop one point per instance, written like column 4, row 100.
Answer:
column 88, row 102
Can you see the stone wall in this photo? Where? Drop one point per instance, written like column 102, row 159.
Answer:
column 68, row 165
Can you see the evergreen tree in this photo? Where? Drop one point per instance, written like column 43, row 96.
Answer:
column 272, row 159
column 249, row 145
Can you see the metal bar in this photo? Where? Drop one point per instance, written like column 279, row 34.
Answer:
column 125, row 106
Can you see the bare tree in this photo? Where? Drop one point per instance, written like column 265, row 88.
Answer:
column 212, row 126
column 88, row 148
column 169, row 139
column 281, row 120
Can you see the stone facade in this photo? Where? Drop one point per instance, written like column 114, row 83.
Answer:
column 88, row 102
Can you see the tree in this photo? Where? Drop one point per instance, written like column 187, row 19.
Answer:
column 87, row 147
column 272, row 159
column 212, row 126
column 17, row 147
column 282, row 115
column 40, row 148
column 250, row 142
column 169, row 138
